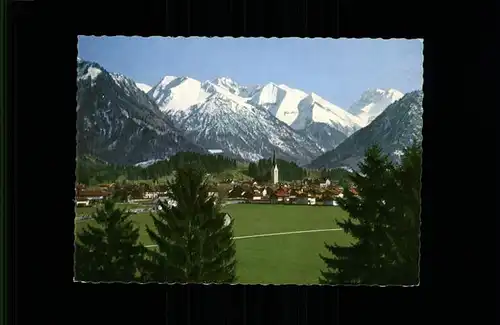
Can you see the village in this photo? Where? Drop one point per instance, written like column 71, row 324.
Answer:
column 305, row 192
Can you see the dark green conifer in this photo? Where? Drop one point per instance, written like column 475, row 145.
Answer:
column 193, row 244
column 109, row 249
column 383, row 221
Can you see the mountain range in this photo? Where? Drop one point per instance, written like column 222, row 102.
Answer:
column 119, row 123
column 124, row 121
column 395, row 128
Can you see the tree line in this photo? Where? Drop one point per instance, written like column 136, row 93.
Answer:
column 90, row 171
column 335, row 174
column 193, row 244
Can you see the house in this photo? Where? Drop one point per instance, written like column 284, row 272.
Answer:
column 235, row 192
column 282, row 194
column 93, row 195
column 292, row 197
column 260, row 201
column 151, row 195
column 326, row 184
column 80, row 202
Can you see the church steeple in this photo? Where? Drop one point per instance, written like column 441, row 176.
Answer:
column 275, row 171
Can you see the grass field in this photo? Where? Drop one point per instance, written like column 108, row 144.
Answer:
column 280, row 258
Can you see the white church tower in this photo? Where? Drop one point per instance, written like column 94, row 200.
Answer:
column 275, row 171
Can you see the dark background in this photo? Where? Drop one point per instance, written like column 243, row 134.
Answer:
column 42, row 83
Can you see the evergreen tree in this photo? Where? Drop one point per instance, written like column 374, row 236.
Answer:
column 385, row 248
column 404, row 233
column 193, row 243
column 109, row 251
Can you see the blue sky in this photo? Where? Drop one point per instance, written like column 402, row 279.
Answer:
column 338, row 70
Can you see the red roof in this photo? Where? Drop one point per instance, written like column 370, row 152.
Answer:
column 282, row 192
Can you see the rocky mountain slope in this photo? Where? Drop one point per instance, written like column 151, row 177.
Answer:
column 119, row 123
column 214, row 115
column 129, row 122
column 309, row 114
column 299, row 126
column 393, row 129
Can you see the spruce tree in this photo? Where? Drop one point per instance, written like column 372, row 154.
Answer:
column 383, row 219
column 110, row 250
column 364, row 260
column 404, row 233
column 193, row 245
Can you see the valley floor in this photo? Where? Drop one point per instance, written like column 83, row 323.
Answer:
column 276, row 244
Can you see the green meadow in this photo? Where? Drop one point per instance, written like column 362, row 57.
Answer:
column 275, row 244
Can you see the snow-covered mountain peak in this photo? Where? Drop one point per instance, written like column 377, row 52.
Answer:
column 395, row 94
column 373, row 102
column 395, row 128
column 315, row 98
column 391, row 93
column 243, row 130
column 119, row 123
column 313, row 108
column 185, row 83
column 234, row 87
column 177, row 94
column 165, row 81
column 210, row 86
column 213, row 90
column 225, row 82
column 270, row 93
column 374, row 95
column 248, row 122
column 87, row 70
column 282, row 102
column 144, row 87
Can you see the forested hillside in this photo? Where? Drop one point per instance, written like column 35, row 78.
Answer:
column 92, row 171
